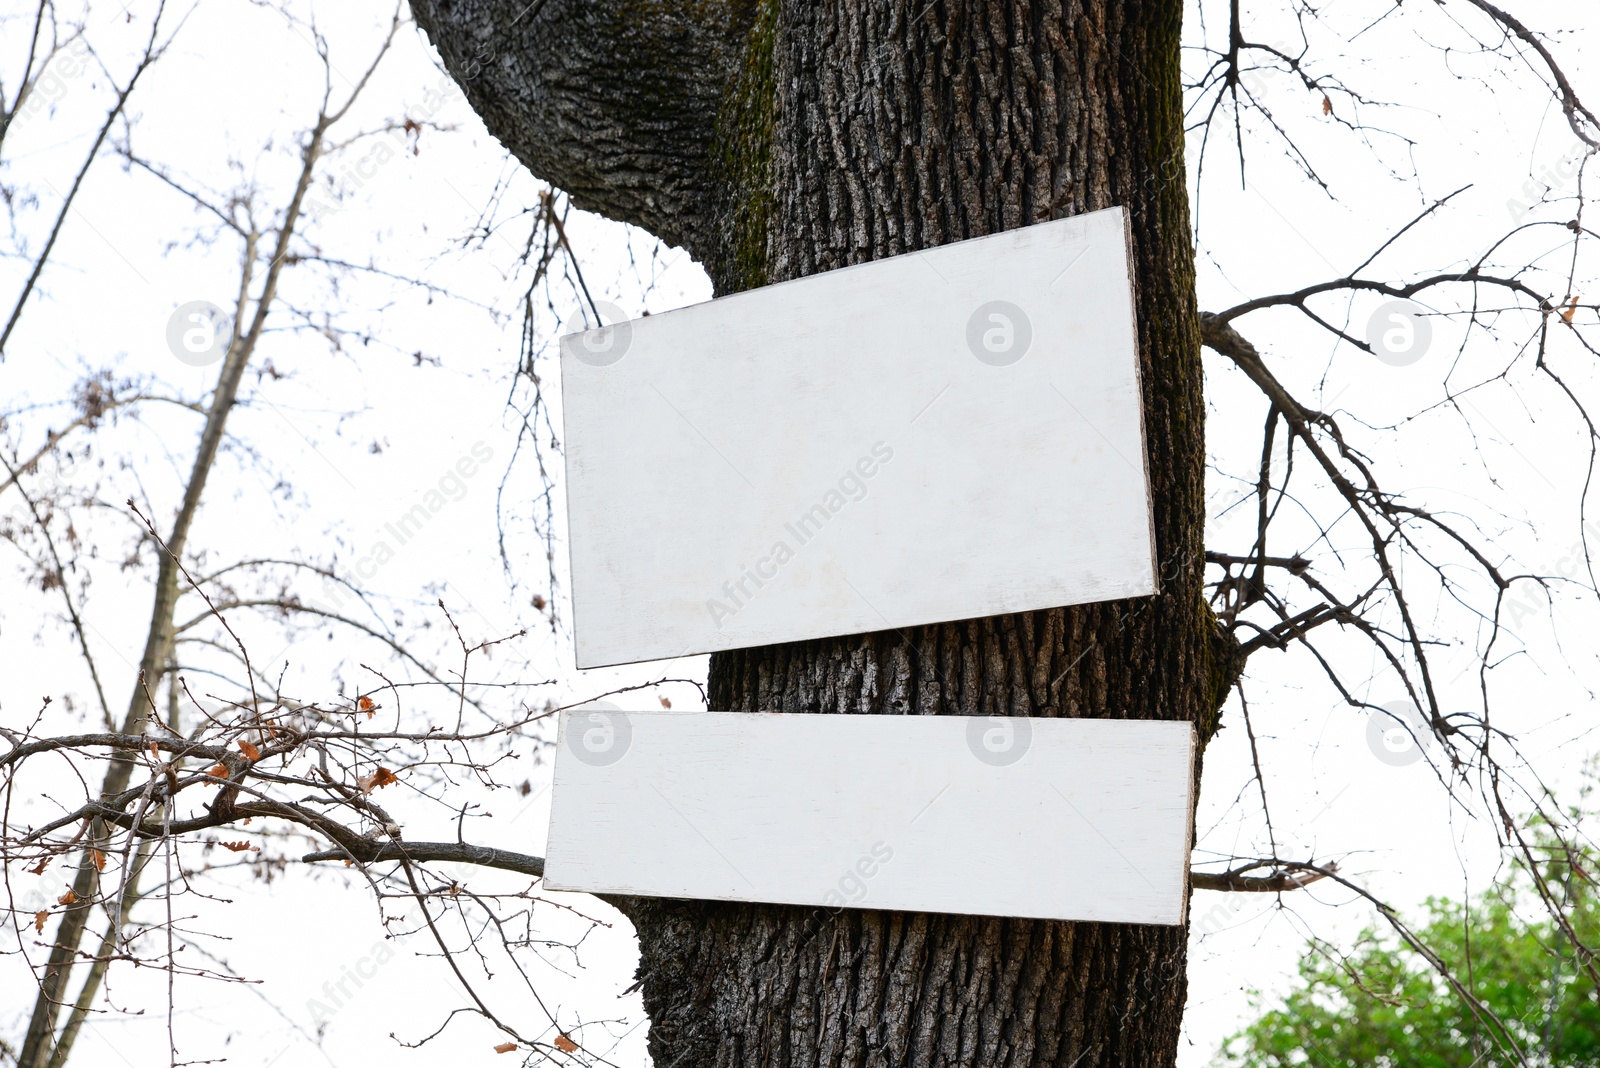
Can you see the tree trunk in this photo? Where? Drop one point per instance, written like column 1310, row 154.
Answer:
column 823, row 133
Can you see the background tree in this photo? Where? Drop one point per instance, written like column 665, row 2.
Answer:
column 66, row 456
column 1382, row 1005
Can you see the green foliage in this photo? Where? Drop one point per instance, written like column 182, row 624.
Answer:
column 1383, row 1005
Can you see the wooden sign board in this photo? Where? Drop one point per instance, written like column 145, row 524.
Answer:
column 1067, row 819
column 938, row 436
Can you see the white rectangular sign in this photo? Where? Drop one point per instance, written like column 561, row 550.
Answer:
column 937, row 436
column 1067, row 819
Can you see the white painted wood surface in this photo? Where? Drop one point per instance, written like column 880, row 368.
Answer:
column 1069, row 819
column 851, row 451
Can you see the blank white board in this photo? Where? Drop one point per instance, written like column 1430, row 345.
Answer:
column 943, row 435
column 1067, row 819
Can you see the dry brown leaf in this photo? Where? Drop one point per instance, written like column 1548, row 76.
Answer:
column 250, row 751
column 665, row 703
column 38, row 920
column 506, row 1047
column 220, row 771
column 98, row 859
column 381, row 777
column 67, row 898
column 1327, row 106
column 240, row 847
column 155, row 750
column 38, row 869
column 565, row 1044
column 366, row 705
column 1566, row 316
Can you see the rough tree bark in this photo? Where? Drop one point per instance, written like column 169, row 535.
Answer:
column 777, row 138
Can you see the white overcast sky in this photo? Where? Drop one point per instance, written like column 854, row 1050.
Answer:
column 345, row 441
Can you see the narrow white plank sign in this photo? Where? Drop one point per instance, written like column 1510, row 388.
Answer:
column 1068, row 819
column 944, row 435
